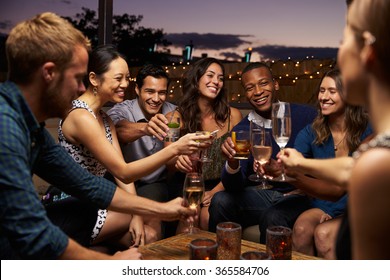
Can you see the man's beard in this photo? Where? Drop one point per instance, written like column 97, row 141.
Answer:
column 54, row 104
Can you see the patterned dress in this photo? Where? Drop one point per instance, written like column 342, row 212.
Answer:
column 84, row 157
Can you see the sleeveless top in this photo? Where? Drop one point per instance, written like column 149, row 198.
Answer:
column 79, row 152
column 343, row 242
column 83, row 156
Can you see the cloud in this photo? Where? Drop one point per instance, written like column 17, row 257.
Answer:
column 283, row 52
column 231, row 55
column 207, row 40
column 227, row 44
column 66, row 2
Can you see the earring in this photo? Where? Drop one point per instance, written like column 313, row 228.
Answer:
column 95, row 91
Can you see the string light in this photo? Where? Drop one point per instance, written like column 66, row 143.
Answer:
column 288, row 72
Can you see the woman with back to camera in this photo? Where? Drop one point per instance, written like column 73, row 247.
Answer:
column 363, row 59
column 89, row 136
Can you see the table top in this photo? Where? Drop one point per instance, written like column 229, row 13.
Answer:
column 176, row 247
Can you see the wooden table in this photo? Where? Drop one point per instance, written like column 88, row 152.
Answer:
column 176, row 247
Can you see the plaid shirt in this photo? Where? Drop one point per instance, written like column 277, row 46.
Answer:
column 27, row 148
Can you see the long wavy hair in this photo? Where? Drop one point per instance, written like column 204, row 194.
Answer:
column 356, row 119
column 188, row 104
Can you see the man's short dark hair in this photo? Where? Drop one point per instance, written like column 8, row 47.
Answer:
column 153, row 70
column 255, row 65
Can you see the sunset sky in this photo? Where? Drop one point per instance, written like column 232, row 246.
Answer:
column 223, row 29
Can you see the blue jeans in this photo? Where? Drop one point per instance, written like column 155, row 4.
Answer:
column 253, row 206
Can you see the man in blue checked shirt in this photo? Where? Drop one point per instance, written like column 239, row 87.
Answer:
column 47, row 60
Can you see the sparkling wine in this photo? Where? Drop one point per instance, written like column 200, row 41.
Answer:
column 193, row 196
column 281, row 141
column 262, row 153
column 281, row 129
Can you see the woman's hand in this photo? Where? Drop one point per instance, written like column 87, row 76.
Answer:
column 137, row 230
column 325, row 217
column 291, row 159
column 183, row 164
column 208, row 195
column 191, row 143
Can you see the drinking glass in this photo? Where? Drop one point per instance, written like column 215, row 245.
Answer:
column 279, row 242
column 261, row 144
column 204, row 154
column 173, row 133
column 229, row 241
column 242, row 144
column 256, row 126
column 193, row 191
column 281, row 130
column 203, row 249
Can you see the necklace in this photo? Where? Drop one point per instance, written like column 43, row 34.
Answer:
column 336, row 145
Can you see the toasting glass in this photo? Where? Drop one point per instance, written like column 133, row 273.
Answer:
column 193, row 191
column 281, row 130
column 261, row 145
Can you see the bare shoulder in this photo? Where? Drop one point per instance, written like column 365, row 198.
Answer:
column 371, row 171
column 79, row 117
column 236, row 115
column 78, row 125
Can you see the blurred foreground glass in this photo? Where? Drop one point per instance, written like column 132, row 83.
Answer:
column 229, row 241
column 242, row 144
column 203, row 249
column 255, row 255
column 173, row 133
column 279, row 242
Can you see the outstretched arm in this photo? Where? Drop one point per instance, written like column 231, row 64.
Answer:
column 318, row 188
column 336, row 170
column 81, row 128
column 167, row 211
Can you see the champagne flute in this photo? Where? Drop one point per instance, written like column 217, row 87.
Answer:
column 256, row 126
column 261, row 151
column 281, row 130
column 193, row 191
